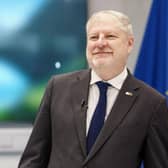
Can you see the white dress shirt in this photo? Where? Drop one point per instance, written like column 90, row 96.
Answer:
column 112, row 92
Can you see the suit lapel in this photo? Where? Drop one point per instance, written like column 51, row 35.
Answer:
column 80, row 89
column 124, row 102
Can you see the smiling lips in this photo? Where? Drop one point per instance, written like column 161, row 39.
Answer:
column 102, row 53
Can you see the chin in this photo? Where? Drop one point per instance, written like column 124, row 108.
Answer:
column 101, row 62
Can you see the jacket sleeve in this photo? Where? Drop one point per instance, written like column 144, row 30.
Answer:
column 156, row 149
column 37, row 151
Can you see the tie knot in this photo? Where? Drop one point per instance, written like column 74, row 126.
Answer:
column 102, row 85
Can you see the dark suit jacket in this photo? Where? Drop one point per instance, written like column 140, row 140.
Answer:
column 136, row 129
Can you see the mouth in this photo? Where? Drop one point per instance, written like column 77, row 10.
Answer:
column 102, row 53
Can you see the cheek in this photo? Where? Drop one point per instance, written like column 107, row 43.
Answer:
column 88, row 52
column 89, row 48
column 120, row 48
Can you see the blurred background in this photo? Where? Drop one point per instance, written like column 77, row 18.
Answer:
column 37, row 39
column 40, row 38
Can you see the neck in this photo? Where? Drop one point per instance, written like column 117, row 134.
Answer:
column 108, row 74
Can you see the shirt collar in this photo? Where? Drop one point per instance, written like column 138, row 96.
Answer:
column 116, row 82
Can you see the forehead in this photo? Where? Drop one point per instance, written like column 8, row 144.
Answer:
column 106, row 22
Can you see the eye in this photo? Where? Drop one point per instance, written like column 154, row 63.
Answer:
column 111, row 36
column 93, row 37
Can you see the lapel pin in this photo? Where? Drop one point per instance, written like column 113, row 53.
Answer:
column 128, row 93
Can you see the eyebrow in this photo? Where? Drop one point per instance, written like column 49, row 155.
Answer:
column 110, row 32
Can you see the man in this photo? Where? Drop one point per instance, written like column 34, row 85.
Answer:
column 135, row 122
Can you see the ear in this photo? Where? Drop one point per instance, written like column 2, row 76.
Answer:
column 130, row 43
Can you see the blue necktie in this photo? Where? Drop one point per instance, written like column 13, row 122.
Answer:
column 98, row 116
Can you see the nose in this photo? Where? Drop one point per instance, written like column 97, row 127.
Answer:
column 101, row 42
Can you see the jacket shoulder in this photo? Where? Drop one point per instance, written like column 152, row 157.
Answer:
column 66, row 78
column 69, row 75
